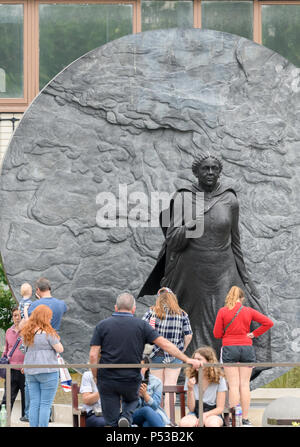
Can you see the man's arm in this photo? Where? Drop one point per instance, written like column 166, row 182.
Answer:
column 5, row 352
column 90, row 398
column 26, row 307
column 94, row 357
column 21, row 324
column 169, row 347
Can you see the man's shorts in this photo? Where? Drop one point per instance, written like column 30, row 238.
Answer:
column 238, row 354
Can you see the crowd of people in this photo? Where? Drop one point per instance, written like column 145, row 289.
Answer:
column 123, row 397
column 127, row 401
column 34, row 335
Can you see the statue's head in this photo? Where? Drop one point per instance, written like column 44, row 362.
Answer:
column 207, row 168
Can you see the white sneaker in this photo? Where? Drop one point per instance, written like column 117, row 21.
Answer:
column 123, row 422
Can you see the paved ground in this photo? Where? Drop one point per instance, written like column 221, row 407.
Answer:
column 260, row 398
column 63, row 416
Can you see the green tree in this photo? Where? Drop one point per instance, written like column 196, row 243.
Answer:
column 7, row 302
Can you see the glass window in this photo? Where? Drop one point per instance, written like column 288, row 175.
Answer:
column 158, row 14
column 280, row 30
column 235, row 17
column 68, row 31
column 11, row 51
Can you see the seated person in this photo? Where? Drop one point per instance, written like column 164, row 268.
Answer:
column 214, row 392
column 148, row 412
column 91, row 401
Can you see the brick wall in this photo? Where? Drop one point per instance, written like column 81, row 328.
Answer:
column 8, row 123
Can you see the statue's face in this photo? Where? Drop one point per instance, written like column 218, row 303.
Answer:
column 209, row 172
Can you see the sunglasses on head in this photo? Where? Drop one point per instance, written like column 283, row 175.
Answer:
column 164, row 289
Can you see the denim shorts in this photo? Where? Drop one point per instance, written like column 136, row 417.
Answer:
column 160, row 359
column 238, row 354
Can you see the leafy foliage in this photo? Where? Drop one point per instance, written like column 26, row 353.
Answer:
column 7, row 302
column 291, row 379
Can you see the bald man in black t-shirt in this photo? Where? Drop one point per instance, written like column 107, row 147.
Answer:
column 121, row 338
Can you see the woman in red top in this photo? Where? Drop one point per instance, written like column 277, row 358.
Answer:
column 237, row 345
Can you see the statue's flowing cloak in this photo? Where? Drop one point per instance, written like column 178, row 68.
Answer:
column 201, row 270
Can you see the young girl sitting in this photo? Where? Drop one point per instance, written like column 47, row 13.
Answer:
column 214, row 392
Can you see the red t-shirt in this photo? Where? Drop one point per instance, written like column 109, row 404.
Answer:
column 236, row 333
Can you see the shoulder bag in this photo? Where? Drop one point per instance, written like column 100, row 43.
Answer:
column 5, row 359
column 232, row 319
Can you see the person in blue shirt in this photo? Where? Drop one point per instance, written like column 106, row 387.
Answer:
column 149, row 412
column 43, row 293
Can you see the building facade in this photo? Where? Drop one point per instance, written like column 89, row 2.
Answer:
column 38, row 38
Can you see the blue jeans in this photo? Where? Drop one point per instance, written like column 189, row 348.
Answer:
column 95, row 421
column 42, row 390
column 27, row 398
column 147, row 417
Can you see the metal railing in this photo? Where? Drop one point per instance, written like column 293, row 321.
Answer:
column 13, row 120
column 79, row 366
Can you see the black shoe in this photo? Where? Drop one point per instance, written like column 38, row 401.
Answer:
column 246, row 423
column 24, row 419
column 123, row 422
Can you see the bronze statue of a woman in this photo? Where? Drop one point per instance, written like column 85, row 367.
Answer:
column 201, row 270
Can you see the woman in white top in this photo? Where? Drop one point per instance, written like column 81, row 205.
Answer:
column 214, row 392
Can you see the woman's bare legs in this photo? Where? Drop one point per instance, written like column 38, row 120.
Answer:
column 232, row 376
column 189, row 421
column 245, row 396
column 192, row 421
column 168, row 376
column 171, row 377
column 213, row 421
column 159, row 373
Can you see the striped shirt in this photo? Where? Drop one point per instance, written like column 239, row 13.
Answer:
column 174, row 327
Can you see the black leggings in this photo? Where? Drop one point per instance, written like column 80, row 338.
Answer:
column 17, row 383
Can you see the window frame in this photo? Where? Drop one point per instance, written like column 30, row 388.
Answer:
column 31, row 38
column 255, row 14
column 18, row 104
column 260, row 3
column 31, row 46
column 135, row 22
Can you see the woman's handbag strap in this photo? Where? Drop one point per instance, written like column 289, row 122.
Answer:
column 232, row 319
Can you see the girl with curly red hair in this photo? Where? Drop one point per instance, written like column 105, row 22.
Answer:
column 42, row 343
